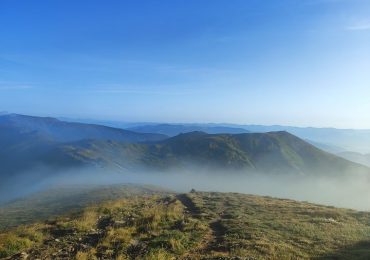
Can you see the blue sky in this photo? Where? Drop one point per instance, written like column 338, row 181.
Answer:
column 291, row 62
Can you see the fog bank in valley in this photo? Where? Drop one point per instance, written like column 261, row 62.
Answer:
column 348, row 192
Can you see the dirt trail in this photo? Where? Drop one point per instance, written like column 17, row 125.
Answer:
column 214, row 238
column 189, row 204
column 218, row 232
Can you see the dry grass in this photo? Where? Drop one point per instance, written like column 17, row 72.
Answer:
column 87, row 221
column 207, row 225
column 89, row 255
column 19, row 239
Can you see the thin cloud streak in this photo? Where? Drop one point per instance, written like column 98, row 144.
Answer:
column 359, row 27
column 15, row 86
column 143, row 92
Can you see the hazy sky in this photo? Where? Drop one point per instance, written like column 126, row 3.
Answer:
column 292, row 62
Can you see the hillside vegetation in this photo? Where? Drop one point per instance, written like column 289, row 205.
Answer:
column 271, row 153
column 196, row 225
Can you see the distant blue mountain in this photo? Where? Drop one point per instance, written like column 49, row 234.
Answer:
column 28, row 142
column 61, row 131
column 174, row 129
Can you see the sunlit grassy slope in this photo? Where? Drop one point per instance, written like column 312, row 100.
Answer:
column 196, row 225
column 66, row 199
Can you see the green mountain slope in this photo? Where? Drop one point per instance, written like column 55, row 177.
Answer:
column 337, row 140
column 275, row 152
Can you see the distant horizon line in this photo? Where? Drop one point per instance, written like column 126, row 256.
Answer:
column 142, row 123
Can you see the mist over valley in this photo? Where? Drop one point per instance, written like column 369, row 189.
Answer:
column 181, row 130
column 38, row 153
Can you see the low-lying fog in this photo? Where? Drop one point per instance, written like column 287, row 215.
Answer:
column 348, row 192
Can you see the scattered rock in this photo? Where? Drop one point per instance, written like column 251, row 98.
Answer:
column 24, row 255
column 119, row 223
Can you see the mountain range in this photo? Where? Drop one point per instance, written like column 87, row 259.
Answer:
column 29, row 142
column 267, row 153
column 61, row 131
column 330, row 139
column 32, row 142
column 174, row 129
